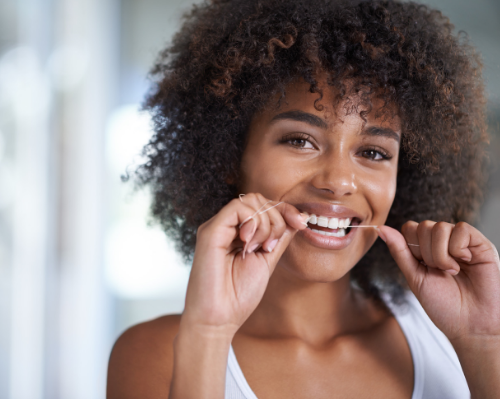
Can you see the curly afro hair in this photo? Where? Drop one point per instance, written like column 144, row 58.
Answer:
column 232, row 57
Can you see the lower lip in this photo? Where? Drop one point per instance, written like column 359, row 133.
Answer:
column 328, row 242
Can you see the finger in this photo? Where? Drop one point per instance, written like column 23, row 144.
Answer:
column 280, row 216
column 223, row 229
column 441, row 233
column 294, row 221
column 424, row 233
column 460, row 242
column 413, row 271
column 262, row 231
column 293, row 217
column 249, row 226
column 280, row 246
column 278, row 226
column 409, row 231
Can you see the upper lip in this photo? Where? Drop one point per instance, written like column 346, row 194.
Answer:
column 328, row 210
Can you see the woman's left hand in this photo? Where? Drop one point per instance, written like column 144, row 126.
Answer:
column 455, row 274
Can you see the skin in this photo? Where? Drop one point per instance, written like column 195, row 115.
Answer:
column 297, row 327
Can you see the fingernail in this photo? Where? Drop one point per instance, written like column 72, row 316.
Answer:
column 272, row 245
column 452, row 272
column 305, row 217
column 253, row 248
column 466, row 259
column 381, row 235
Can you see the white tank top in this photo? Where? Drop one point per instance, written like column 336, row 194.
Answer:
column 437, row 370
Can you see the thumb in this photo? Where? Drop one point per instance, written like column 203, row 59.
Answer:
column 413, row 271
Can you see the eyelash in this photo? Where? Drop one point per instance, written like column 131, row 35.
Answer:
column 383, row 154
column 291, row 137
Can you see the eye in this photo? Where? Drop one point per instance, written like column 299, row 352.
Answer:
column 376, row 154
column 299, row 140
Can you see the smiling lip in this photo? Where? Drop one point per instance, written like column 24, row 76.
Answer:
column 330, row 211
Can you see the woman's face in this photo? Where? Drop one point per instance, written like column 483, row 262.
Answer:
column 330, row 163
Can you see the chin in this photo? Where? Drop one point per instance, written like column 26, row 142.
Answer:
column 321, row 268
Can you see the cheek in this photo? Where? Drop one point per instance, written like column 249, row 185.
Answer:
column 380, row 192
column 268, row 174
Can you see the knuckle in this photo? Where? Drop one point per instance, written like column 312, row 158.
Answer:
column 237, row 203
column 441, row 228
column 408, row 226
column 424, row 226
column 260, row 197
column 202, row 227
column 200, row 232
column 462, row 225
column 441, row 225
column 249, row 198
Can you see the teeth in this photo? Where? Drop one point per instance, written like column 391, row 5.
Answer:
column 331, row 223
column 323, row 221
column 339, row 233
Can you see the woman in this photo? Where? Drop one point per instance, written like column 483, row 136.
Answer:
column 337, row 122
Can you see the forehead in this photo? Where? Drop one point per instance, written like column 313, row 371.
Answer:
column 331, row 109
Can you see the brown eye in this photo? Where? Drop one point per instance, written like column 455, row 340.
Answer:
column 301, row 143
column 298, row 140
column 375, row 155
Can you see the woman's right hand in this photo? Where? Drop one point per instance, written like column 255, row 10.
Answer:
column 226, row 283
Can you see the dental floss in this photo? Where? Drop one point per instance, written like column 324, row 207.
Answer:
column 258, row 212
column 375, row 226
column 267, row 209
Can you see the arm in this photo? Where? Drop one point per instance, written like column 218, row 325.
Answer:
column 188, row 357
column 455, row 274
column 225, row 286
column 480, row 360
column 200, row 361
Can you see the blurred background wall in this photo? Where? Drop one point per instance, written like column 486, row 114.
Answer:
column 78, row 261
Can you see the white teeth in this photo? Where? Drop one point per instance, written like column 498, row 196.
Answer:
column 333, row 223
column 323, row 221
column 340, row 233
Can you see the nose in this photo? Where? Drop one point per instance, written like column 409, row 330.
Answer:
column 336, row 174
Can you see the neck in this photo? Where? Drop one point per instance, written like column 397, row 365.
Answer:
column 313, row 312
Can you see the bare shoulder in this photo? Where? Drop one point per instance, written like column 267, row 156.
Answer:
column 141, row 362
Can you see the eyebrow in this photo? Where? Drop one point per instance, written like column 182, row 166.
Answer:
column 379, row 131
column 301, row 116
column 311, row 119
